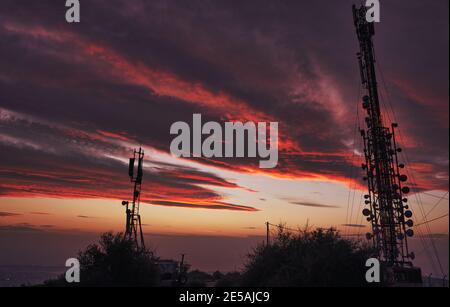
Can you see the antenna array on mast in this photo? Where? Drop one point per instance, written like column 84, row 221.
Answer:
column 133, row 228
column 387, row 209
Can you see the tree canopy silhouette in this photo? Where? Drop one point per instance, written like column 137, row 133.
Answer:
column 114, row 261
column 309, row 258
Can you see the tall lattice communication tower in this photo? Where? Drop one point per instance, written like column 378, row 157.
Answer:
column 387, row 209
column 133, row 228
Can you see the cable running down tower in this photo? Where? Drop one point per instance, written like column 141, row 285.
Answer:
column 387, row 209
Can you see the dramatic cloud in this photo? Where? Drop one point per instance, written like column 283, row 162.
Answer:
column 85, row 217
column 23, row 227
column 354, row 225
column 75, row 98
column 314, row 205
column 40, row 213
column 77, row 164
column 208, row 205
column 8, row 214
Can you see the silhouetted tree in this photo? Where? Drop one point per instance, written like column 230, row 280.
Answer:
column 198, row 278
column 231, row 279
column 114, row 261
column 310, row 258
column 217, row 275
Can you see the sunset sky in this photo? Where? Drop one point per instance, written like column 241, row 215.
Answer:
column 75, row 99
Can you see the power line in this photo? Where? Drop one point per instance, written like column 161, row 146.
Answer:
column 435, row 196
column 284, row 227
column 352, row 179
column 303, row 231
column 435, row 219
column 437, row 204
column 411, row 175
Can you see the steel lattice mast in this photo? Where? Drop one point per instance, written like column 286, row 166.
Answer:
column 133, row 228
column 387, row 208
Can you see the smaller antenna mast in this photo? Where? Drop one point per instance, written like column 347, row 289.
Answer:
column 133, row 228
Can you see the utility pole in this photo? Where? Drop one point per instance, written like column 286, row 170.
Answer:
column 267, row 233
column 133, row 226
column 182, row 261
column 182, row 278
column 386, row 204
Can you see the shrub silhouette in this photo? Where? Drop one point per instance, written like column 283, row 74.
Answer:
column 317, row 258
column 231, row 279
column 114, row 261
column 197, row 278
column 217, row 275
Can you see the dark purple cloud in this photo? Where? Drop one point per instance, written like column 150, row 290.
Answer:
column 314, row 205
column 132, row 68
column 9, row 214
